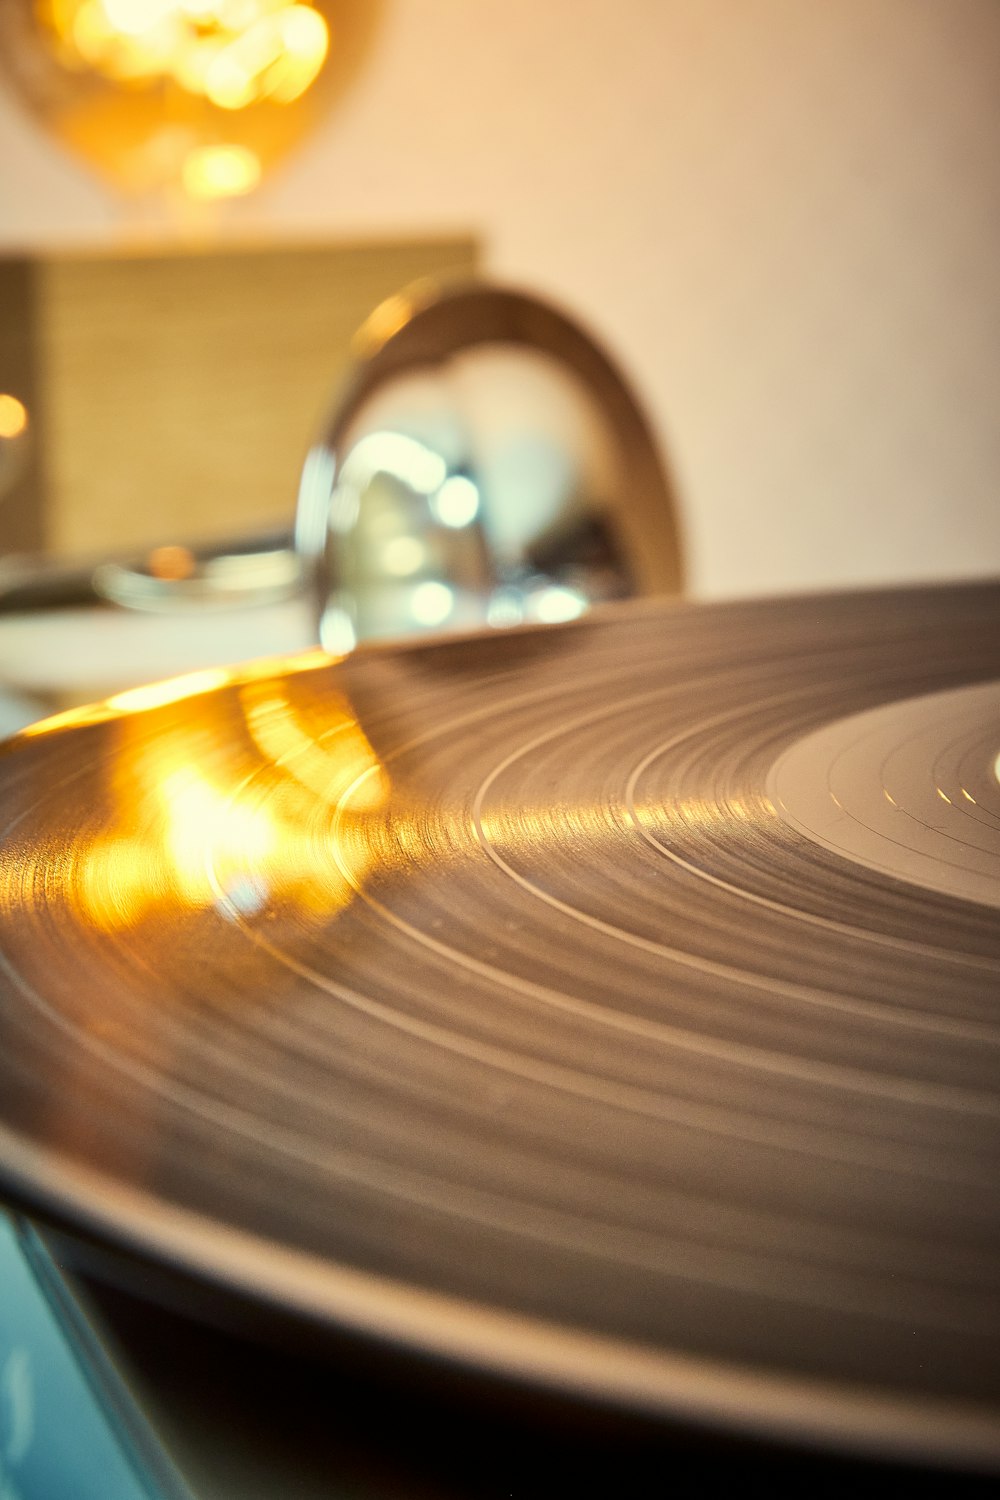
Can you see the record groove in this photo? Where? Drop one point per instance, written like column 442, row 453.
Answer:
column 489, row 994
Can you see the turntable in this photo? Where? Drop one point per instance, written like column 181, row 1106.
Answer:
column 561, row 1051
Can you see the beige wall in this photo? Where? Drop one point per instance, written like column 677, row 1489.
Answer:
column 784, row 216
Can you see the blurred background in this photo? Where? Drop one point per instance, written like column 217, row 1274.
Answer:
column 783, row 219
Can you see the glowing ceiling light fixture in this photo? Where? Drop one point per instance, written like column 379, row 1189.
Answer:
column 135, row 85
column 274, row 48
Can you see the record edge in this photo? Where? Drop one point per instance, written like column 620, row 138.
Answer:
column 857, row 1421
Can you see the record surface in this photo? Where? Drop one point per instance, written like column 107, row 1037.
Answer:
column 599, row 1004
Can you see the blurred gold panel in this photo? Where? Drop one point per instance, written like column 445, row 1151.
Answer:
column 175, row 395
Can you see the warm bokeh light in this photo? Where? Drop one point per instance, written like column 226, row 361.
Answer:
column 220, row 172
column 231, row 52
column 172, row 563
column 192, row 99
column 13, row 416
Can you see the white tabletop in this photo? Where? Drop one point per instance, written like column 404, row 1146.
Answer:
column 63, row 657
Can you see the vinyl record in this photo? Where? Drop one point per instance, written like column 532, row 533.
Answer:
column 613, row 1005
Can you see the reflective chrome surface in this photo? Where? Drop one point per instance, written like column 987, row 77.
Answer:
column 486, row 466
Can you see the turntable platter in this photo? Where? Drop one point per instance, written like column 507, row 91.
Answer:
column 523, row 999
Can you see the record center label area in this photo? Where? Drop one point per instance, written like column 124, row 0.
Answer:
column 909, row 789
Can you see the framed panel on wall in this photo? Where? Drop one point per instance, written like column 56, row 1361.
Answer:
column 175, row 394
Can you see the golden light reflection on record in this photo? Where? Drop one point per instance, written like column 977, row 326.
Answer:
column 204, row 815
column 341, row 760
column 174, row 690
